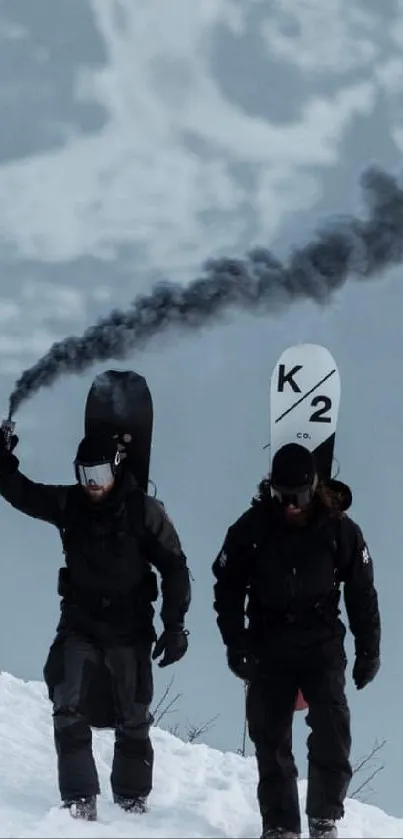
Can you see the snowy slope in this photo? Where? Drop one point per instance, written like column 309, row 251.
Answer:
column 199, row 792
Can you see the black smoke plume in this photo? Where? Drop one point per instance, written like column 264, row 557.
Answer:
column 343, row 248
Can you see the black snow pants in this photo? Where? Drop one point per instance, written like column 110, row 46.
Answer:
column 270, row 711
column 131, row 678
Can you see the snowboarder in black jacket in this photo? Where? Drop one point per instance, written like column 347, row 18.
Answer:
column 281, row 567
column 99, row 670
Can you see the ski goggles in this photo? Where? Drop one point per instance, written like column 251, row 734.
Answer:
column 97, row 474
column 299, row 497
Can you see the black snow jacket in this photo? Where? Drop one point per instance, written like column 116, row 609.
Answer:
column 107, row 585
column 286, row 582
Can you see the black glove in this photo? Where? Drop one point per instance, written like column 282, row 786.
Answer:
column 365, row 669
column 173, row 643
column 9, row 463
column 7, row 445
column 241, row 663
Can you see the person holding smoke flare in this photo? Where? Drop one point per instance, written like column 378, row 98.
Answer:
column 98, row 670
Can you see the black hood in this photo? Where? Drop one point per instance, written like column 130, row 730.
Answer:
column 342, row 491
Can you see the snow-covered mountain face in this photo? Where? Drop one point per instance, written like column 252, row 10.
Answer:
column 198, row 791
column 138, row 139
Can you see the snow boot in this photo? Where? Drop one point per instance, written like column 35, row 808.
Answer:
column 322, row 828
column 132, row 805
column 278, row 833
column 82, row 808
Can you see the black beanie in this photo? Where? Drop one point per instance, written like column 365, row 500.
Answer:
column 293, row 466
column 96, row 448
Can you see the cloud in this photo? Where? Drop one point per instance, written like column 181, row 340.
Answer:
column 46, row 300
column 35, row 317
column 389, row 75
column 137, row 182
column 331, row 36
column 396, row 27
column 11, row 31
column 36, row 341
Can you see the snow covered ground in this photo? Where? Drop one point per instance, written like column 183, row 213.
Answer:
column 199, row 792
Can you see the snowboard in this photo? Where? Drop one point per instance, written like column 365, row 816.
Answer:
column 304, row 407
column 304, row 403
column 120, row 402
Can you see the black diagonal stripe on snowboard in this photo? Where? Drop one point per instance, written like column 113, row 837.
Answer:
column 323, row 455
column 308, row 393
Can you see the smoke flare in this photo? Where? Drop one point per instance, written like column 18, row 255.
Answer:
column 343, row 248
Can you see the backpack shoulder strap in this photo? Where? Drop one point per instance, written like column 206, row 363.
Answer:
column 259, row 536
column 68, row 515
column 338, row 541
column 136, row 511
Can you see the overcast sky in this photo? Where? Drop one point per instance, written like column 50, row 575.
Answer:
column 138, row 139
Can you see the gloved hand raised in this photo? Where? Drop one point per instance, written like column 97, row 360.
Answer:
column 9, row 463
column 365, row 668
column 7, row 444
column 173, row 643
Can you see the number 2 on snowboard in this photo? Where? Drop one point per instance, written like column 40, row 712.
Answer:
column 319, row 414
